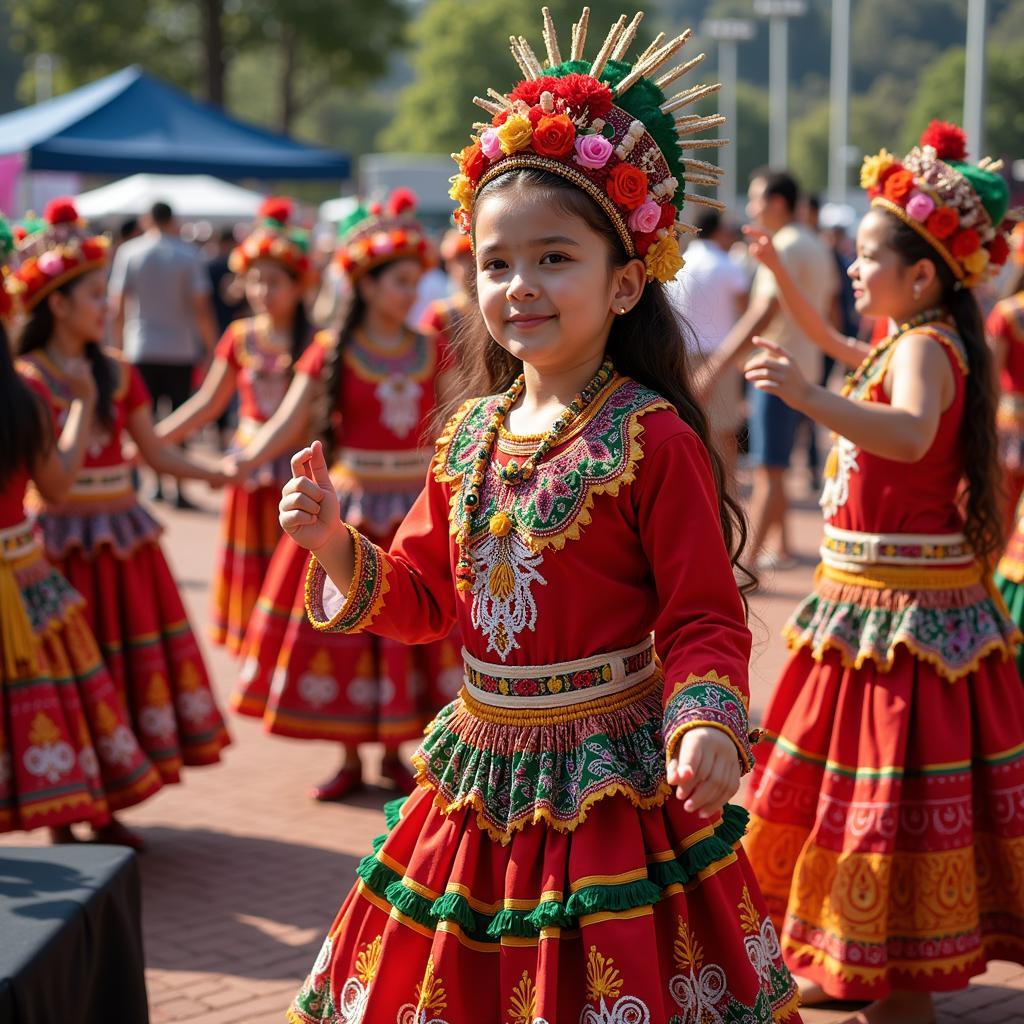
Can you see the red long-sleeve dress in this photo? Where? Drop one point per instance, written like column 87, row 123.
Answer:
column 885, row 824
column 356, row 689
column 106, row 544
column 542, row 871
column 67, row 750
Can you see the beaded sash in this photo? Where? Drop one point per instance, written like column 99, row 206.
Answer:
column 530, row 687
column 18, row 541
column 368, row 466
column 105, row 482
column 851, row 549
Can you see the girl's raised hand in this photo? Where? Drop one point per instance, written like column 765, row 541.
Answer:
column 309, row 511
column 774, row 371
column 761, row 247
column 705, row 771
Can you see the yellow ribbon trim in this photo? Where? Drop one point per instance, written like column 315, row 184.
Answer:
column 884, row 577
column 16, row 635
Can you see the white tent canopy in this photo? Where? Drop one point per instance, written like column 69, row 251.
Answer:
column 190, row 196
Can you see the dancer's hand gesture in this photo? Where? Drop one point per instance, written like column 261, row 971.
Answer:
column 761, row 247
column 773, row 370
column 309, row 511
column 705, row 771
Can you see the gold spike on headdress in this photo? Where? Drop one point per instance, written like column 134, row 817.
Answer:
column 525, row 57
column 677, row 72
column 607, row 46
column 704, row 143
column 579, row 35
column 656, row 43
column 646, row 68
column 626, row 39
column 491, row 108
column 551, row 38
column 703, row 167
column 688, row 197
column 712, row 121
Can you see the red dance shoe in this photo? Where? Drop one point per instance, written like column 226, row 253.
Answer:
column 347, row 781
column 398, row 775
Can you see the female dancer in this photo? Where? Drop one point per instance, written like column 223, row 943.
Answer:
column 376, row 381
column 254, row 359
column 882, row 828
column 100, row 538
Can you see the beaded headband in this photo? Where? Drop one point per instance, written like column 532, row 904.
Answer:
column 375, row 235
column 273, row 239
column 606, row 126
column 958, row 208
column 52, row 252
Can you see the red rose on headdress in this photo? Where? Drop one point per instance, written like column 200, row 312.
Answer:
column 535, row 114
column 949, row 140
column 554, row 136
column 400, row 200
column 627, row 185
column 472, row 162
column 668, row 215
column 584, row 91
column 92, row 249
column 277, row 208
column 61, row 211
column 529, row 91
column 965, row 243
column 999, row 250
column 943, row 222
column 644, row 242
column 898, row 185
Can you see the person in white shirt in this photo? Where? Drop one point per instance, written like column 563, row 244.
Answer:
column 709, row 294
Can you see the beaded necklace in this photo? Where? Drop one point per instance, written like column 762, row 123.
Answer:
column 863, row 372
column 513, row 474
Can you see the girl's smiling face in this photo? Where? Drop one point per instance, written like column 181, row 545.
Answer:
column 547, row 286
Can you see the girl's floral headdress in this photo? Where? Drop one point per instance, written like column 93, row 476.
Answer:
column 958, row 208
column 274, row 239
column 606, row 126
column 52, row 252
column 454, row 244
column 374, row 235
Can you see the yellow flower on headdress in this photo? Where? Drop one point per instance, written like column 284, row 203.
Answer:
column 977, row 262
column 871, row 169
column 462, row 191
column 663, row 259
column 515, row 134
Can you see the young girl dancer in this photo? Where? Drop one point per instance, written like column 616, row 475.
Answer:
column 376, row 384
column 100, row 538
column 254, row 359
column 883, row 829
column 569, row 854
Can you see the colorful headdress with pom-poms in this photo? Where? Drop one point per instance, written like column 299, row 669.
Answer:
column 274, row 239
column 6, row 251
column 377, row 234
column 959, row 208
column 606, row 126
column 53, row 251
column 455, row 244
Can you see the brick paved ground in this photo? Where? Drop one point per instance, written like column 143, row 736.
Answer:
column 244, row 874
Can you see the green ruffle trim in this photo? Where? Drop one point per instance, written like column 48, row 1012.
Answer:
column 1013, row 595
column 527, row 924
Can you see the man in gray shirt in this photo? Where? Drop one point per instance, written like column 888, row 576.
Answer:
column 163, row 314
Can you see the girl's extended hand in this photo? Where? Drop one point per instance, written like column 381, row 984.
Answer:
column 309, row 511
column 705, row 770
column 774, row 371
column 761, row 247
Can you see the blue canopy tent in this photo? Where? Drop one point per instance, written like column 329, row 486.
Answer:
column 130, row 122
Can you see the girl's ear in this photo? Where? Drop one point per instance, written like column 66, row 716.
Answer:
column 628, row 283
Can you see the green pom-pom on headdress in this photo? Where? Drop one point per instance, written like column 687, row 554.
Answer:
column 990, row 188
column 6, row 239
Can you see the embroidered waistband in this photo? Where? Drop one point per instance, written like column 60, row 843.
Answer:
column 364, row 464
column 851, row 550
column 18, row 541
column 105, row 482
column 560, row 685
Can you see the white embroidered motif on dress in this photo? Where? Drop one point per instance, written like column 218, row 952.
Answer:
column 503, row 604
column 842, row 461
column 399, row 399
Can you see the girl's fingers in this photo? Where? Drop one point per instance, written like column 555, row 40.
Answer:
column 769, row 346
column 303, row 485
column 291, row 521
column 299, row 460
column 317, row 467
column 302, row 502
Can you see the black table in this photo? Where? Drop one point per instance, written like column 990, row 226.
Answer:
column 71, row 936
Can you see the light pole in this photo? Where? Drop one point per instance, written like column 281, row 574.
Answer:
column 974, row 77
column 839, row 102
column 728, row 33
column 778, row 13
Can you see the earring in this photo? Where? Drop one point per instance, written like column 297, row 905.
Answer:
column 622, row 309
column 917, row 290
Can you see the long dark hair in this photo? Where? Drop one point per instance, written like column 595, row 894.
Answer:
column 25, row 431
column 983, row 527
column 650, row 343
column 38, row 330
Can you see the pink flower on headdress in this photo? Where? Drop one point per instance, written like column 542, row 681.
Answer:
column 490, row 144
column 645, row 218
column 920, row 206
column 593, row 151
column 382, row 242
column 51, row 263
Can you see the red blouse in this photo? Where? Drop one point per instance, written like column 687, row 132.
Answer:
column 871, row 494
column 12, row 497
column 262, row 371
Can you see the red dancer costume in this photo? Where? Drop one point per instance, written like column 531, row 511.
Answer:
column 106, row 544
column 442, row 316
column 884, row 824
column 543, row 871
column 356, row 689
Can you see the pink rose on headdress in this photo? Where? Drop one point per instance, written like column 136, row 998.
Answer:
column 382, row 242
column 490, row 144
column 645, row 218
column 51, row 263
column 593, row 151
column 920, row 206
